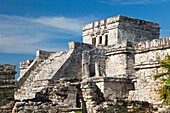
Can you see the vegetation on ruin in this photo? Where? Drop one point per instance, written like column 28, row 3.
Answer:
column 78, row 112
column 164, row 78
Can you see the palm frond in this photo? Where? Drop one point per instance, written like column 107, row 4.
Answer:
column 162, row 80
column 162, row 92
column 167, row 82
column 165, row 63
column 158, row 75
column 168, row 57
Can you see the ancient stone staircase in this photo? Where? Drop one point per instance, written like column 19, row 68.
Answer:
column 40, row 75
column 92, row 95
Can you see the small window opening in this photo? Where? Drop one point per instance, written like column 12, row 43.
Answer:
column 100, row 40
column 78, row 103
column 106, row 40
column 94, row 41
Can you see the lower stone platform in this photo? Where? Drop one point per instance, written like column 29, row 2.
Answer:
column 117, row 87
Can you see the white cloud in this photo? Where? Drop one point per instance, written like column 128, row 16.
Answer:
column 62, row 23
column 130, row 2
column 26, row 35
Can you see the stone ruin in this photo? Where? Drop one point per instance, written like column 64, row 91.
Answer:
column 110, row 72
column 7, row 85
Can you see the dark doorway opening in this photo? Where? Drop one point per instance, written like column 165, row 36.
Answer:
column 106, row 40
column 94, row 41
column 100, row 39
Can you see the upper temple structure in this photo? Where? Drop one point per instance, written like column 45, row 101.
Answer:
column 119, row 29
column 112, row 69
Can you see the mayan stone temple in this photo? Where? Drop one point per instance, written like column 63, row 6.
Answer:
column 111, row 71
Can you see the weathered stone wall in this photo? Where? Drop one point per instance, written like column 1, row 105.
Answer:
column 73, row 66
column 146, row 65
column 41, row 69
column 65, row 93
column 120, row 60
column 117, row 29
column 125, row 106
column 23, row 66
column 114, row 64
column 92, row 96
column 59, row 98
column 42, row 55
column 93, row 63
column 7, row 85
column 57, row 65
column 113, row 100
column 118, row 106
column 41, row 107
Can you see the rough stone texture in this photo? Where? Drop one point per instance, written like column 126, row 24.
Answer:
column 117, row 62
column 118, row 29
column 124, row 106
column 92, row 96
column 59, row 98
column 7, row 85
column 120, row 59
column 48, row 71
column 23, row 66
column 38, row 74
column 39, row 107
column 146, row 65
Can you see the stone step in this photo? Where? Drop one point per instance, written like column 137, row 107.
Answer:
column 44, row 70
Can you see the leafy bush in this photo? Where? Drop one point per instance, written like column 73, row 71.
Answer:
column 164, row 78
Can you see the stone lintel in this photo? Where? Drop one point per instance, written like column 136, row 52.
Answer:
column 118, row 78
column 147, row 65
column 122, row 50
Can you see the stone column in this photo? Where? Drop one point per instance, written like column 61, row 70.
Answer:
column 7, row 85
column 104, row 40
column 97, row 41
column 85, row 64
column 97, row 68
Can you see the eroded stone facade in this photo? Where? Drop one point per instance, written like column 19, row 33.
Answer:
column 111, row 71
column 7, row 85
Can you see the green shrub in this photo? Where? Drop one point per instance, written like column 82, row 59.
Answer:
column 164, row 78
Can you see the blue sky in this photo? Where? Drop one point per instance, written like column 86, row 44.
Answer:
column 30, row 25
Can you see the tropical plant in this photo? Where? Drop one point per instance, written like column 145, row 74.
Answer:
column 164, row 78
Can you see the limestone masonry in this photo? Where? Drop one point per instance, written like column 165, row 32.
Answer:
column 7, row 85
column 110, row 72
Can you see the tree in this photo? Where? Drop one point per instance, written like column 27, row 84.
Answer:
column 164, row 79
